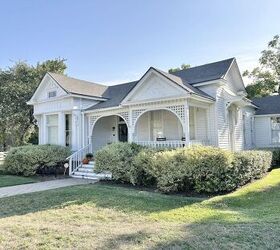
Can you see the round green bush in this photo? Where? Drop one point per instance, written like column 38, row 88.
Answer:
column 28, row 160
column 118, row 159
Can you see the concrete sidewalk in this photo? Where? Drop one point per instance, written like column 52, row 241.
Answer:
column 41, row 186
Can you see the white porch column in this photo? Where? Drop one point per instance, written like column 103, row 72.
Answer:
column 61, row 128
column 76, row 129
column 187, row 123
column 130, row 127
column 39, row 119
column 44, row 134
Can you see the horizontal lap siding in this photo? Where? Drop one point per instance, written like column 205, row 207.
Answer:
column 248, row 116
column 238, row 131
column 201, row 124
column 262, row 132
column 222, row 122
column 212, row 116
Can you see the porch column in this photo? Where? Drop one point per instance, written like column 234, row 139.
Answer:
column 39, row 119
column 61, row 129
column 130, row 127
column 187, row 124
column 76, row 129
column 44, row 134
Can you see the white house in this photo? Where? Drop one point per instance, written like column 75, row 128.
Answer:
column 267, row 122
column 205, row 105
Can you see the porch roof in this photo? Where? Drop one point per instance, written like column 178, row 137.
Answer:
column 268, row 105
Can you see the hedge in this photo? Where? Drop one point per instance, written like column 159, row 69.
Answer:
column 199, row 168
column 275, row 155
column 118, row 159
column 32, row 159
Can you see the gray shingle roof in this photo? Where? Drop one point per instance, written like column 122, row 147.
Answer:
column 115, row 94
column 267, row 105
column 80, row 87
column 206, row 72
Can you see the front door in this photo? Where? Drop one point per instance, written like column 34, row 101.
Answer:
column 122, row 133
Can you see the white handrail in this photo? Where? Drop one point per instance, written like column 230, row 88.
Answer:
column 76, row 159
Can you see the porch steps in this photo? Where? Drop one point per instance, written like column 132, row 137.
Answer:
column 86, row 171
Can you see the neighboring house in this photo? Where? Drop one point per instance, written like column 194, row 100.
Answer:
column 205, row 105
column 267, row 122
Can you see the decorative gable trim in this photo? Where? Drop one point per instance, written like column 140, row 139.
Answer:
column 42, row 85
column 145, row 77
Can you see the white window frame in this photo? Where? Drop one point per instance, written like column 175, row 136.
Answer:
column 275, row 126
column 54, row 92
column 48, row 126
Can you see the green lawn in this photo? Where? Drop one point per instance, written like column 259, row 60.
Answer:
column 108, row 217
column 11, row 180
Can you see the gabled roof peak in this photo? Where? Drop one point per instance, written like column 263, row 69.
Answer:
column 205, row 72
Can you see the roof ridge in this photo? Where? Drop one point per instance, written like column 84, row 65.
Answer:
column 202, row 65
column 73, row 78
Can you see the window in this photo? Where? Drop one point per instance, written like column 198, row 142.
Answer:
column 52, row 129
column 68, row 130
column 52, row 94
column 275, row 130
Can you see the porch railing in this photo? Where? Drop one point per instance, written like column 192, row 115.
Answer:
column 162, row 144
column 76, row 159
column 171, row 144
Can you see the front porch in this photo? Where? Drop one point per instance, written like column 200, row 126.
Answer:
column 163, row 124
column 159, row 128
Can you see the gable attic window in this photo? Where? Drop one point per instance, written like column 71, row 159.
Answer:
column 51, row 94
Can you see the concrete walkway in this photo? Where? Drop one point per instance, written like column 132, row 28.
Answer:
column 41, row 186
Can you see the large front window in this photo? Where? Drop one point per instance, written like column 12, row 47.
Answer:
column 52, row 129
column 275, row 130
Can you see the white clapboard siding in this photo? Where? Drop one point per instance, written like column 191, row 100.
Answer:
column 262, row 132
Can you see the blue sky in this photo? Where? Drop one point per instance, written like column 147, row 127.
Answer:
column 113, row 41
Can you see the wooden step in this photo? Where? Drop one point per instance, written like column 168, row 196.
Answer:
column 91, row 175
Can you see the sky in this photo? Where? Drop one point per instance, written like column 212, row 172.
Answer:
column 110, row 42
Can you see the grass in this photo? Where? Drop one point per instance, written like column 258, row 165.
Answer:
column 108, row 217
column 11, row 180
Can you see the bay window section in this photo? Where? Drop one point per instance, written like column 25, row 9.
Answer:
column 275, row 130
column 52, row 129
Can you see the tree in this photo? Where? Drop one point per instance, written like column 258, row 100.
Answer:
column 17, row 85
column 183, row 66
column 266, row 77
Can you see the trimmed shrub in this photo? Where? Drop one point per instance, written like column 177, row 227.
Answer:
column 32, row 159
column 212, row 170
column 199, row 168
column 251, row 165
column 204, row 169
column 118, row 159
column 143, row 165
column 275, row 155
